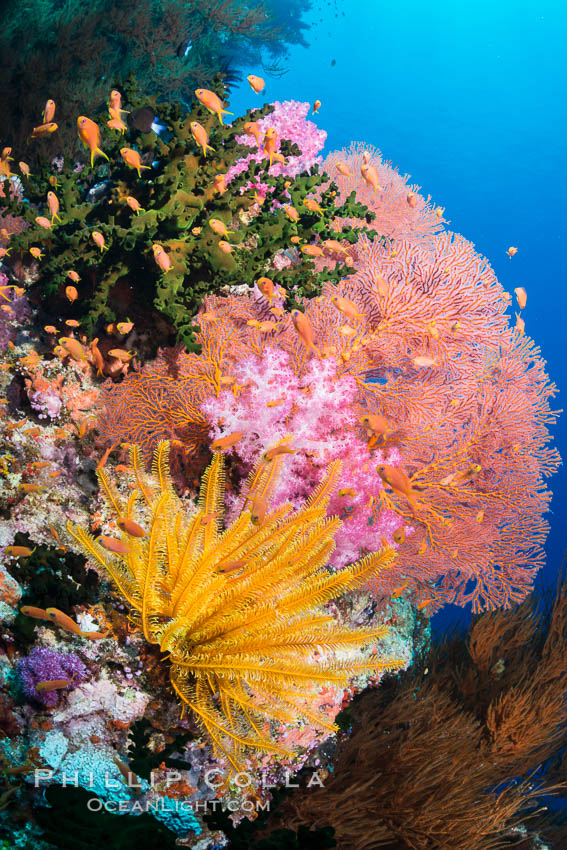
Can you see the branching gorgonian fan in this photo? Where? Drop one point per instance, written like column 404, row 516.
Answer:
column 239, row 610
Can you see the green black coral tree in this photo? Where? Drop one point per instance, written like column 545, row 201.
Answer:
column 178, row 197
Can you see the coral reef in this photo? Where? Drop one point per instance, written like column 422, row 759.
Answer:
column 344, row 434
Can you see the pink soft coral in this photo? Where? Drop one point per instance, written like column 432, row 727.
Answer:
column 318, row 409
column 289, row 119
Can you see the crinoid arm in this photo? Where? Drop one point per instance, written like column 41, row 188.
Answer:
column 240, row 610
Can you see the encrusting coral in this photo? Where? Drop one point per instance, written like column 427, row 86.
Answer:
column 238, row 611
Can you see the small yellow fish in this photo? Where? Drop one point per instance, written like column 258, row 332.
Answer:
column 19, row 551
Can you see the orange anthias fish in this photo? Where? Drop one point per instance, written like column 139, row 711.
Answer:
column 111, row 544
column 219, row 227
column 73, row 347
column 266, row 287
column 312, row 205
column 511, row 251
column 36, row 253
column 376, row 423
column 227, row 441
column 252, row 128
column 162, row 258
column 220, row 183
column 411, row 200
column 97, row 357
column 304, row 330
column 311, row 250
column 43, row 221
column 347, row 307
column 316, row 107
column 121, row 354
column 370, row 175
column 343, row 169
column 59, row 618
column 19, row 551
column 334, row 245
column 48, row 112
column 291, row 213
column 72, row 275
column 134, row 205
column 98, row 239
column 225, row 246
column 115, row 104
column 398, row 481
column 133, row 159
column 275, row 451
column 36, row 613
column 256, row 83
column 270, row 145
column 117, row 124
column 53, row 204
column 520, row 324
column 24, row 168
column 521, row 296
column 258, row 510
column 201, row 136
column 53, row 684
column 44, row 130
column 212, row 102
column 130, row 527
column 124, row 327
column 71, row 293
column 89, row 134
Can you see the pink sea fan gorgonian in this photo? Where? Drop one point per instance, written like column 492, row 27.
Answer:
column 395, row 218
column 290, row 121
column 463, row 395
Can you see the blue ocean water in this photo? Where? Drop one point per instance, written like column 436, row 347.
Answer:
column 471, row 100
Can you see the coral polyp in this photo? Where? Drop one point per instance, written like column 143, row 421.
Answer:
column 239, row 611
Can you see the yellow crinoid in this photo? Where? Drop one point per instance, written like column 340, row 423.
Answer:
column 240, row 610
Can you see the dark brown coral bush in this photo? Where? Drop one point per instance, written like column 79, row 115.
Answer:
column 458, row 752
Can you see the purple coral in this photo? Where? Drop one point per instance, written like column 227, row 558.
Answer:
column 46, row 665
column 289, row 119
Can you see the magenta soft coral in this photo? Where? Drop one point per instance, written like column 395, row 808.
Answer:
column 318, row 410
column 290, row 121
